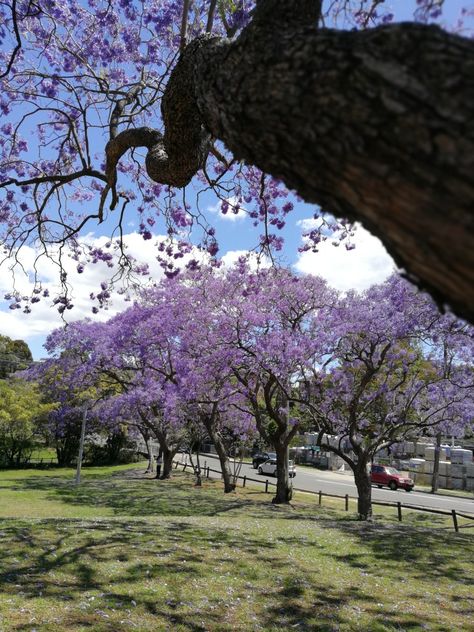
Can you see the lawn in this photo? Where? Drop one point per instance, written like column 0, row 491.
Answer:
column 124, row 552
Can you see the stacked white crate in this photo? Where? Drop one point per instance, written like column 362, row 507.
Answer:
column 444, row 478
column 444, row 472
column 462, row 469
column 417, row 468
column 457, row 477
column 430, row 452
column 417, row 464
column 444, row 468
column 469, row 476
column 420, row 448
column 460, row 456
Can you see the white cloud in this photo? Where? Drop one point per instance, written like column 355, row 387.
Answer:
column 308, row 224
column 255, row 261
column 230, row 216
column 368, row 264
column 44, row 317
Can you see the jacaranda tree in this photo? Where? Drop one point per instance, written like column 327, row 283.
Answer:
column 269, row 318
column 133, row 359
column 69, row 380
column 395, row 369
column 366, row 117
column 236, row 350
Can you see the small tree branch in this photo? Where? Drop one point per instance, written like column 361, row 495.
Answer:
column 184, row 24
column 18, row 42
column 210, row 16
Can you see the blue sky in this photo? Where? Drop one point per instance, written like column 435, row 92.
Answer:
column 368, row 263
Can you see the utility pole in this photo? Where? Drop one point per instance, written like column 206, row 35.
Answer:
column 81, row 444
column 435, row 476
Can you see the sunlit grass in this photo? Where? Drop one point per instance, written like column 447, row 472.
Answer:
column 124, row 552
column 46, row 454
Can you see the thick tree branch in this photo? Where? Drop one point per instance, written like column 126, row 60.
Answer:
column 374, row 125
column 286, row 13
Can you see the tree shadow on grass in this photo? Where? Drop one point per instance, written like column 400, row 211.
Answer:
column 128, row 496
column 306, row 605
column 100, row 573
column 30, row 551
column 424, row 554
column 97, row 567
column 301, row 604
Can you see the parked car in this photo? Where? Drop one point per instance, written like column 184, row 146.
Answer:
column 270, row 467
column 384, row 475
column 261, row 457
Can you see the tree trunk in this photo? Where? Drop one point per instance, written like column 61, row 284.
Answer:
column 284, row 490
column 159, row 462
column 168, row 456
column 196, row 468
column 149, row 449
column 375, row 125
column 364, row 491
column 229, row 485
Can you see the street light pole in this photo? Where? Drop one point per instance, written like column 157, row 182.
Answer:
column 81, row 444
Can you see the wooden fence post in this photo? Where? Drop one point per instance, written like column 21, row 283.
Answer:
column 399, row 508
column 320, row 497
column 347, row 502
column 244, row 481
column 455, row 520
column 266, row 486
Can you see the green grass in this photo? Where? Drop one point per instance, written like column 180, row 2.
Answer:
column 460, row 493
column 123, row 552
column 47, row 454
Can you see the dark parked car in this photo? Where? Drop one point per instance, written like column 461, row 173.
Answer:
column 384, row 475
column 261, row 457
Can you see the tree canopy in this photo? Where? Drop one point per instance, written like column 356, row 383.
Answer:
column 15, row 355
column 265, row 351
column 21, row 407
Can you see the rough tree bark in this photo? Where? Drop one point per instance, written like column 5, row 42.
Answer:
column 168, row 451
column 216, row 438
column 149, row 449
column 284, row 490
column 374, row 125
column 168, row 456
column 364, row 490
column 229, row 485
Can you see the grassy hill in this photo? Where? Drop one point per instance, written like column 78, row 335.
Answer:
column 125, row 552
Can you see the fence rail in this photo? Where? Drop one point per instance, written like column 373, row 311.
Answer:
column 397, row 505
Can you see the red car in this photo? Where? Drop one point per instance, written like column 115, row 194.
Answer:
column 383, row 475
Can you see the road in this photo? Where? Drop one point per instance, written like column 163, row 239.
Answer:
column 309, row 479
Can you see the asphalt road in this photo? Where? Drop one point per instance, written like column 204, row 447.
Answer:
column 311, row 479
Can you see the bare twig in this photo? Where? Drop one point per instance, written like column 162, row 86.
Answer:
column 18, row 42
